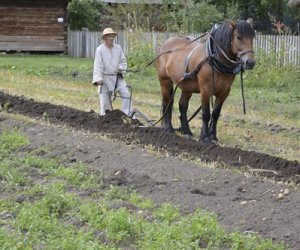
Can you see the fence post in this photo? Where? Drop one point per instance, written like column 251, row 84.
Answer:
column 84, row 42
column 154, row 41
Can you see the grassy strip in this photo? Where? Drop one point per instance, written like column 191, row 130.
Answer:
column 46, row 205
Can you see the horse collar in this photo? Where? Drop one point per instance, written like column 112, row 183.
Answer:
column 217, row 64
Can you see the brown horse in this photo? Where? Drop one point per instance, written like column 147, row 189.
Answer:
column 207, row 68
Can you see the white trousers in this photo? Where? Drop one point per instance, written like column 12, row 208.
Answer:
column 105, row 100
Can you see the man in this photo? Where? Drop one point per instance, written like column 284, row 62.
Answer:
column 109, row 68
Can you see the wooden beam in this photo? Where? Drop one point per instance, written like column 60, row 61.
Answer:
column 21, row 46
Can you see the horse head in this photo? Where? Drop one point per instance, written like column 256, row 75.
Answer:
column 242, row 43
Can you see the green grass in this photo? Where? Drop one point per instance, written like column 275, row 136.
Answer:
column 48, row 212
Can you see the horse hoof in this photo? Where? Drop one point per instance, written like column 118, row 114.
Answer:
column 187, row 133
column 205, row 140
column 188, row 136
column 169, row 130
column 214, row 139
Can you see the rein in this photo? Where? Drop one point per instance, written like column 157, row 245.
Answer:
column 243, row 97
column 224, row 54
column 172, row 97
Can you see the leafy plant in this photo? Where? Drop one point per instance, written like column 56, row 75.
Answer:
column 139, row 54
column 83, row 14
column 10, row 174
column 11, row 140
column 279, row 77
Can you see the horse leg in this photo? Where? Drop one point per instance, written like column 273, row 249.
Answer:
column 204, row 136
column 214, row 119
column 183, row 107
column 167, row 104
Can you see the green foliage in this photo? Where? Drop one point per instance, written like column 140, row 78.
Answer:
column 276, row 76
column 78, row 175
column 167, row 213
column 116, row 193
column 177, row 15
column 8, row 66
column 119, row 224
column 171, row 16
column 260, row 11
column 51, row 65
column 34, row 161
column 231, row 11
column 42, row 223
column 9, row 174
column 198, row 17
column 7, row 105
column 139, row 54
column 10, row 241
column 134, row 16
column 141, row 202
column 83, row 14
column 11, row 141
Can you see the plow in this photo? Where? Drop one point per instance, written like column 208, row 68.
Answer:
column 135, row 113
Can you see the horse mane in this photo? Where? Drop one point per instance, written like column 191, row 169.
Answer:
column 223, row 33
column 244, row 29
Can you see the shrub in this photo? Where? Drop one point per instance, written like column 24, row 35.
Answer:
column 83, row 14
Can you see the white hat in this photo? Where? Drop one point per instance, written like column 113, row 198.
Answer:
column 108, row 31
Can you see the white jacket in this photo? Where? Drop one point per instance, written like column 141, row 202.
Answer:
column 107, row 63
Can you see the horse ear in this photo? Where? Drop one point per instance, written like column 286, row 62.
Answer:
column 232, row 24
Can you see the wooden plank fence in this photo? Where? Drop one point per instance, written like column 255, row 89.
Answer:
column 84, row 43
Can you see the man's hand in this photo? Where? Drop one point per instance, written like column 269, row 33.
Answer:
column 98, row 83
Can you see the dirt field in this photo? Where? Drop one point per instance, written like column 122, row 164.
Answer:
column 244, row 201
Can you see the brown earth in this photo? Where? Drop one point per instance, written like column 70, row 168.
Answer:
column 243, row 201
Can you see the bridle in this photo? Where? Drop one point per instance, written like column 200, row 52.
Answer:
column 239, row 54
column 245, row 52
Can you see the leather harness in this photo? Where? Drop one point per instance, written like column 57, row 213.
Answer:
column 235, row 68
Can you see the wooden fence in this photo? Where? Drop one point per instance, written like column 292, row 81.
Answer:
column 84, row 43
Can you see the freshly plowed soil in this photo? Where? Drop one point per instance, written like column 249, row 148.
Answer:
column 120, row 127
column 244, row 202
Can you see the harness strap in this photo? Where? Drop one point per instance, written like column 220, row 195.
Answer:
column 212, row 86
column 173, row 50
column 116, row 86
column 172, row 97
column 243, row 97
column 223, row 53
column 189, row 75
column 220, row 66
column 194, row 72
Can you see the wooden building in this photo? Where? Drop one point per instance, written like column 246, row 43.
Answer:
column 33, row 25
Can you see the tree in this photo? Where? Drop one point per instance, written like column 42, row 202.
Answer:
column 191, row 16
column 83, row 14
column 132, row 15
column 261, row 11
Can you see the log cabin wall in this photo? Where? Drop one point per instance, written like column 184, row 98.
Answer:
column 33, row 25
